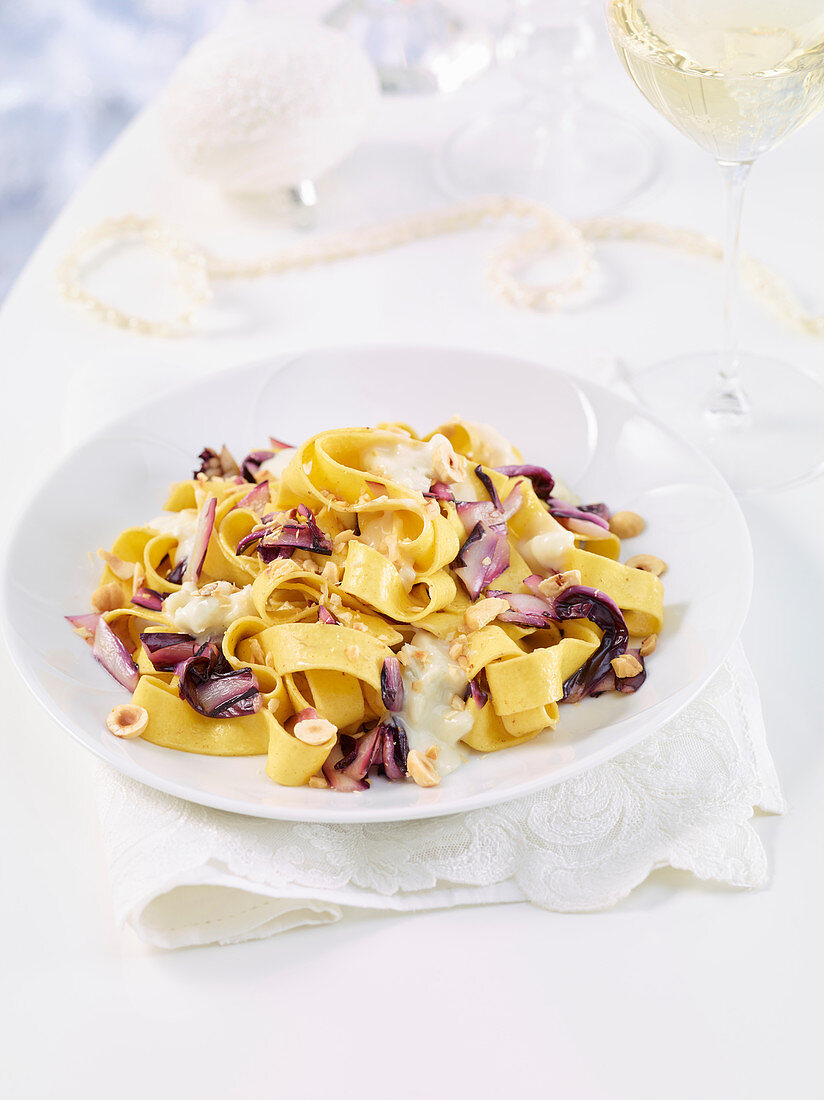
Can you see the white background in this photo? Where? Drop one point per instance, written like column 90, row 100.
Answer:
column 685, row 990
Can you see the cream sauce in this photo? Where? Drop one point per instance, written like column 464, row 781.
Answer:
column 210, row 611
column 427, row 715
column 180, row 524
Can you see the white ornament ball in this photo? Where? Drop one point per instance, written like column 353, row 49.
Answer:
column 266, row 103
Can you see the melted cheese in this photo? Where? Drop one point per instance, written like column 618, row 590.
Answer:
column 428, row 716
column 208, row 611
column 412, row 463
column 548, row 550
column 180, row 524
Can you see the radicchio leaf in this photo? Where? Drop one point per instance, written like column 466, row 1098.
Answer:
column 256, row 499
column 326, row 616
column 200, row 543
column 341, row 780
column 175, row 576
column 214, row 464
column 113, row 655
column 626, row 685
column 210, row 685
column 475, row 692
column 591, row 524
column 542, row 480
column 148, row 598
column 167, row 650
column 438, row 490
column 392, row 685
column 483, row 557
column 250, row 467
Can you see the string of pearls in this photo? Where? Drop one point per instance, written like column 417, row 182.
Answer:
column 547, row 232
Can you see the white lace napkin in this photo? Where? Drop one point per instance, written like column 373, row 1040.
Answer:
column 182, row 874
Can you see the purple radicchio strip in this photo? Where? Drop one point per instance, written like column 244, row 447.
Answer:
column 525, row 609
column 341, row 780
column 626, row 685
column 483, row 557
column 301, row 533
column 392, row 685
column 439, row 490
column 210, row 685
column 217, row 464
column 590, row 524
column 148, row 598
column 580, row 602
column 250, row 467
column 326, row 616
column 385, row 747
column 542, row 480
column 167, row 650
column 175, row 576
column 256, row 499
column 200, row 544
column 395, row 749
column 486, row 481
column 279, row 445
column 367, row 751
column 113, row 655
column 598, row 509
column 87, row 622
column 575, row 602
column 476, row 693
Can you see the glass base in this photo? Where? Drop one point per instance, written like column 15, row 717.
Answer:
column 422, row 47
column 770, row 435
column 586, row 161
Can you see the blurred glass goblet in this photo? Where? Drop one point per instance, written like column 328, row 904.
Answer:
column 553, row 145
column 416, row 45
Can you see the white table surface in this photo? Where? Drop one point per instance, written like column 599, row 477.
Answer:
column 686, row 989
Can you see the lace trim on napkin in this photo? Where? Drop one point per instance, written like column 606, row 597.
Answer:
column 684, row 797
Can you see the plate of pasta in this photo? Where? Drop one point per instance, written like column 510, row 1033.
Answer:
column 375, row 584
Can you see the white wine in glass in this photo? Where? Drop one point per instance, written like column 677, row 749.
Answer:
column 736, row 76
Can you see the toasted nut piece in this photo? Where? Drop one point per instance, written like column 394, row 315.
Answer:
column 648, row 562
column 351, row 653
column 330, row 573
column 107, row 597
column 554, row 585
column 648, row 645
column 458, row 702
column 447, row 464
column 422, row 769
column 480, row 614
column 128, row 720
column 314, row 731
column 455, row 650
column 432, row 753
column 317, row 781
column 257, row 654
column 122, row 569
column 626, row 665
column 138, row 578
column 417, row 685
column 626, row 525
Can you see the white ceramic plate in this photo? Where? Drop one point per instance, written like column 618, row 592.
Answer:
column 604, row 447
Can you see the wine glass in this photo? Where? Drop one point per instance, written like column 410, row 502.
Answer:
column 552, row 144
column 416, row 45
column 736, row 76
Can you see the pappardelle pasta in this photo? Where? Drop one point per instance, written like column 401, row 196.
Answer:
column 371, row 602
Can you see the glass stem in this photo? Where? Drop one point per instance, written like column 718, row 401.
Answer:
column 728, row 399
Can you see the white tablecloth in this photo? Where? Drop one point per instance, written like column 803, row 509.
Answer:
column 683, row 990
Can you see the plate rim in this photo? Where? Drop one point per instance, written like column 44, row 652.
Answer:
column 645, row 723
